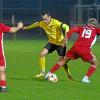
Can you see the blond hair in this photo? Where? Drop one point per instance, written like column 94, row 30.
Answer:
column 92, row 21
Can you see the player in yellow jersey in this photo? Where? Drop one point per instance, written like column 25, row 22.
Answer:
column 53, row 29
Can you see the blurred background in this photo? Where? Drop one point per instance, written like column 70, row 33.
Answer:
column 71, row 12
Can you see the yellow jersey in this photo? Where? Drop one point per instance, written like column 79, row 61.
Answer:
column 53, row 30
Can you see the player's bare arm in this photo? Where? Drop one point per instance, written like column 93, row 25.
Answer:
column 66, row 28
column 65, row 41
column 15, row 29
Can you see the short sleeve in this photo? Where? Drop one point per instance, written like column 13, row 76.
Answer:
column 4, row 28
column 98, row 31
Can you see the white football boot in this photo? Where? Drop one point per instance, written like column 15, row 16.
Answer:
column 42, row 74
column 85, row 80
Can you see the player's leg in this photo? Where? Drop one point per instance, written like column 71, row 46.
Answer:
column 2, row 72
column 47, row 49
column 93, row 61
column 68, row 56
column 57, row 66
column 2, row 79
column 62, row 52
column 66, row 68
column 43, row 53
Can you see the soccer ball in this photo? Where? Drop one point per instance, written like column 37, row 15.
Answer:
column 53, row 78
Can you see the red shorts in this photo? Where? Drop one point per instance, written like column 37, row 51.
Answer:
column 79, row 52
column 2, row 58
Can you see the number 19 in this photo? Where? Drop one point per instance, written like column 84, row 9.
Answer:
column 86, row 33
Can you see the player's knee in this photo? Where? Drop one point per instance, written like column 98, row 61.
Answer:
column 62, row 63
column 2, row 70
column 95, row 63
column 41, row 55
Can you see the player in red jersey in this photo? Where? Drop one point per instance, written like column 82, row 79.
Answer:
column 81, row 48
column 3, row 29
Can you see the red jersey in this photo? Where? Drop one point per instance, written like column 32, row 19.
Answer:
column 87, row 36
column 3, row 28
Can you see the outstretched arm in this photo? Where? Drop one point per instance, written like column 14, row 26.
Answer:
column 69, row 34
column 98, row 31
column 34, row 25
column 15, row 29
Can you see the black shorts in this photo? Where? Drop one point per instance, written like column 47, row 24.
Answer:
column 52, row 47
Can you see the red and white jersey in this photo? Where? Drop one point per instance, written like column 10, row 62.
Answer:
column 87, row 36
column 3, row 28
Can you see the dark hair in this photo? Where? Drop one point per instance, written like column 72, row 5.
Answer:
column 93, row 21
column 46, row 12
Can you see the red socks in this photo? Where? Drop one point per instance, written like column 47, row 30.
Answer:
column 91, row 70
column 55, row 67
column 2, row 83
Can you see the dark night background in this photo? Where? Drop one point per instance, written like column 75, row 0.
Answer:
column 30, row 11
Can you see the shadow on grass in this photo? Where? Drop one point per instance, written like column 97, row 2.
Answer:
column 28, row 78
column 40, row 79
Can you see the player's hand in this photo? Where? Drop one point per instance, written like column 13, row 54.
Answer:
column 20, row 25
column 63, row 43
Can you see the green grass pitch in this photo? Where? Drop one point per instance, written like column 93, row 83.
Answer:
column 22, row 66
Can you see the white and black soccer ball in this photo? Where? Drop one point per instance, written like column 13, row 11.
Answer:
column 53, row 78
